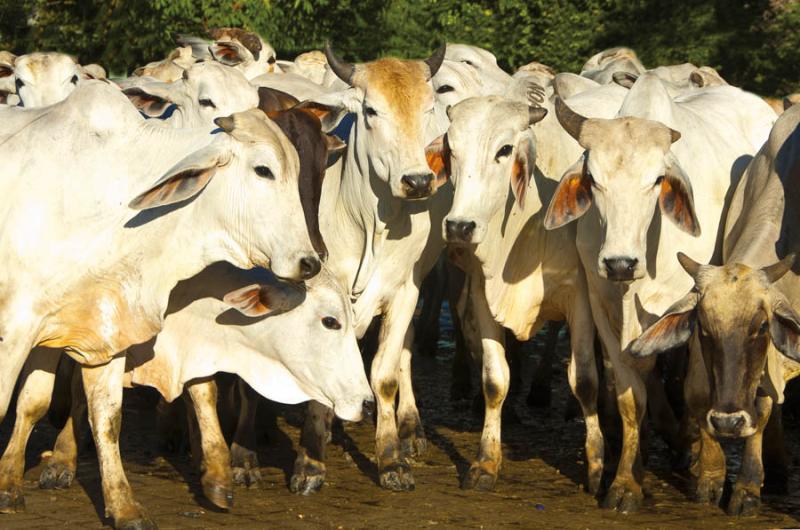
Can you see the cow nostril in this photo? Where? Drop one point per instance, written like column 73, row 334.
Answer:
column 460, row 230
column 309, row 267
column 417, row 184
column 620, row 268
column 468, row 228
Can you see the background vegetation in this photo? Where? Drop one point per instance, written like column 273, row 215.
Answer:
column 753, row 43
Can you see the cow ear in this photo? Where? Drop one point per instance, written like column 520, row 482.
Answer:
column 572, row 198
column 258, row 300
column 6, row 70
column 522, row 169
column 670, row 331
column 329, row 115
column 784, row 329
column 624, row 79
column 437, row 153
column 335, row 147
column 676, row 199
column 227, row 53
column 152, row 100
column 185, row 180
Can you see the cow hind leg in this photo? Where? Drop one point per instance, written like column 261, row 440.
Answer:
column 103, row 385
column 746, row 496
column 60, row 469
column 412, row 435
column 244, row 449
column 38, row 377
column 215, row 462
column 309, row 466
column 540, row 392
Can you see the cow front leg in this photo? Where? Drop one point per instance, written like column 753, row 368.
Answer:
column 103, row 386
column 746, row 496
column 215, row 466
column 709, row 470
column 244, row 449
column 483, row 473
column 60, row 469
column 396, row 334
column 412, row 435
column 539, row 395
column 309, row 466
column 38, row 378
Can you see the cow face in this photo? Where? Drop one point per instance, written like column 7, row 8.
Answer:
column 739, row 315
column 206, row 91
column 45, row 78
column 243, row 50
column 323, row 357
column 626, row 170
column 393, row 101
column 490, row 151
column 248, row 177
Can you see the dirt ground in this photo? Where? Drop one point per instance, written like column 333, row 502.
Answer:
column 540, row 485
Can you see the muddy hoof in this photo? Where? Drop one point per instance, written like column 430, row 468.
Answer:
column 622, row 499
column 142, row 523
column 246, row 476
column 413, row 446
column 709, row 490
column 56, row 477
column 593, row 480
column 12, row 500
column 539, row 397
column 307, row 481
column 478, row 478
column 220, row 495
column 743, row 503
column 397, row 477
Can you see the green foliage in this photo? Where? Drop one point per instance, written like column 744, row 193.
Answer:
column 755, row 44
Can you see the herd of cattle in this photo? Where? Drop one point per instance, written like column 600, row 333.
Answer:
column 164, row 227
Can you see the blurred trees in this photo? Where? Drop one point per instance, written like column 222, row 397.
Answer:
column 753, row 43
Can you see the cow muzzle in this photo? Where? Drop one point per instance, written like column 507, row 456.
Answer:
column 417, row 185
column 730, row 424
column 309, row 267
column 459, row 231
column 620, row 269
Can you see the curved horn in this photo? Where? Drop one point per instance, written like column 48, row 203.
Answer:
column 435, row 61
column 536, row 114
column 776, row 271
column 225, row 123
column 343, row 70
column 689, row 265
column 569, row 119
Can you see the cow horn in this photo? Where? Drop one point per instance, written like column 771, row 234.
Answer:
column 569, row 119
column 689, row 265
column 225, row 123
column 536, row 114
column 776, row 271
column 435, row 61
column 343, row 70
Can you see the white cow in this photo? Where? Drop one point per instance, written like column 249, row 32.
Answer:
column 42, row 79
column 658, row 150
column 201, row 337
column 244, row 50
column 602, row 66
column 170, row 68
column 69, row 202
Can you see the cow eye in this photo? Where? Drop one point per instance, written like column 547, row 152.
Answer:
column 369, row 111
column 465, row 61
column 205, row 102
column 504, row 151
column 659, row 180
column 264, row 171
column 271, row 60
column 331, row 323
column 764, row 328
column 444, row 89
column 74, row 80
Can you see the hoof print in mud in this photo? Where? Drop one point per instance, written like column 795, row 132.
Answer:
column 307, row 481
column 12, row 501
column 397, row 477
column 56, row 477
column 743, row 503
column 220, row 495
column 478, row 478
column 709, row 491
column 623, row 500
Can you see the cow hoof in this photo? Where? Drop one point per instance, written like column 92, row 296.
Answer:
column 141, row 523
column 709, row 490
column 413, row 447
column 249, row 477
column 220, row 495
column 12, row 500
column 478, row 478
column 397, row 477
column 622, row 499
column 307, row 481
column 56, row 476
column 743, row 503
column 593, row 480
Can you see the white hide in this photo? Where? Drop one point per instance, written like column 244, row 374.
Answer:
column 45, row 78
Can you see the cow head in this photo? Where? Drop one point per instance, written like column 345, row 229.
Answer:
column 246, row 182
column 490, row 152
column 739, row 314
column 393, row 101
column 243, row 50
column 324, row 360
column 206, row 91
column 43, row 79
column 626, row 169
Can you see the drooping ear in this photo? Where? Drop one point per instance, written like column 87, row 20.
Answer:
column 6, row 70
column 523, row 167
column 624, row 79
column 329, row 115
column 437, row 153
column 784, row 329
column 258, row 300
column 335, row 147
column 676, row 199
column 152, row 100
column 776, row 271
column 227, row 53
column 673, row 329
column 272, row 100
column 572, row 198
column 185, row 180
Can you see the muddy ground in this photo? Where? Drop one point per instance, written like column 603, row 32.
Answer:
column 540, row 484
